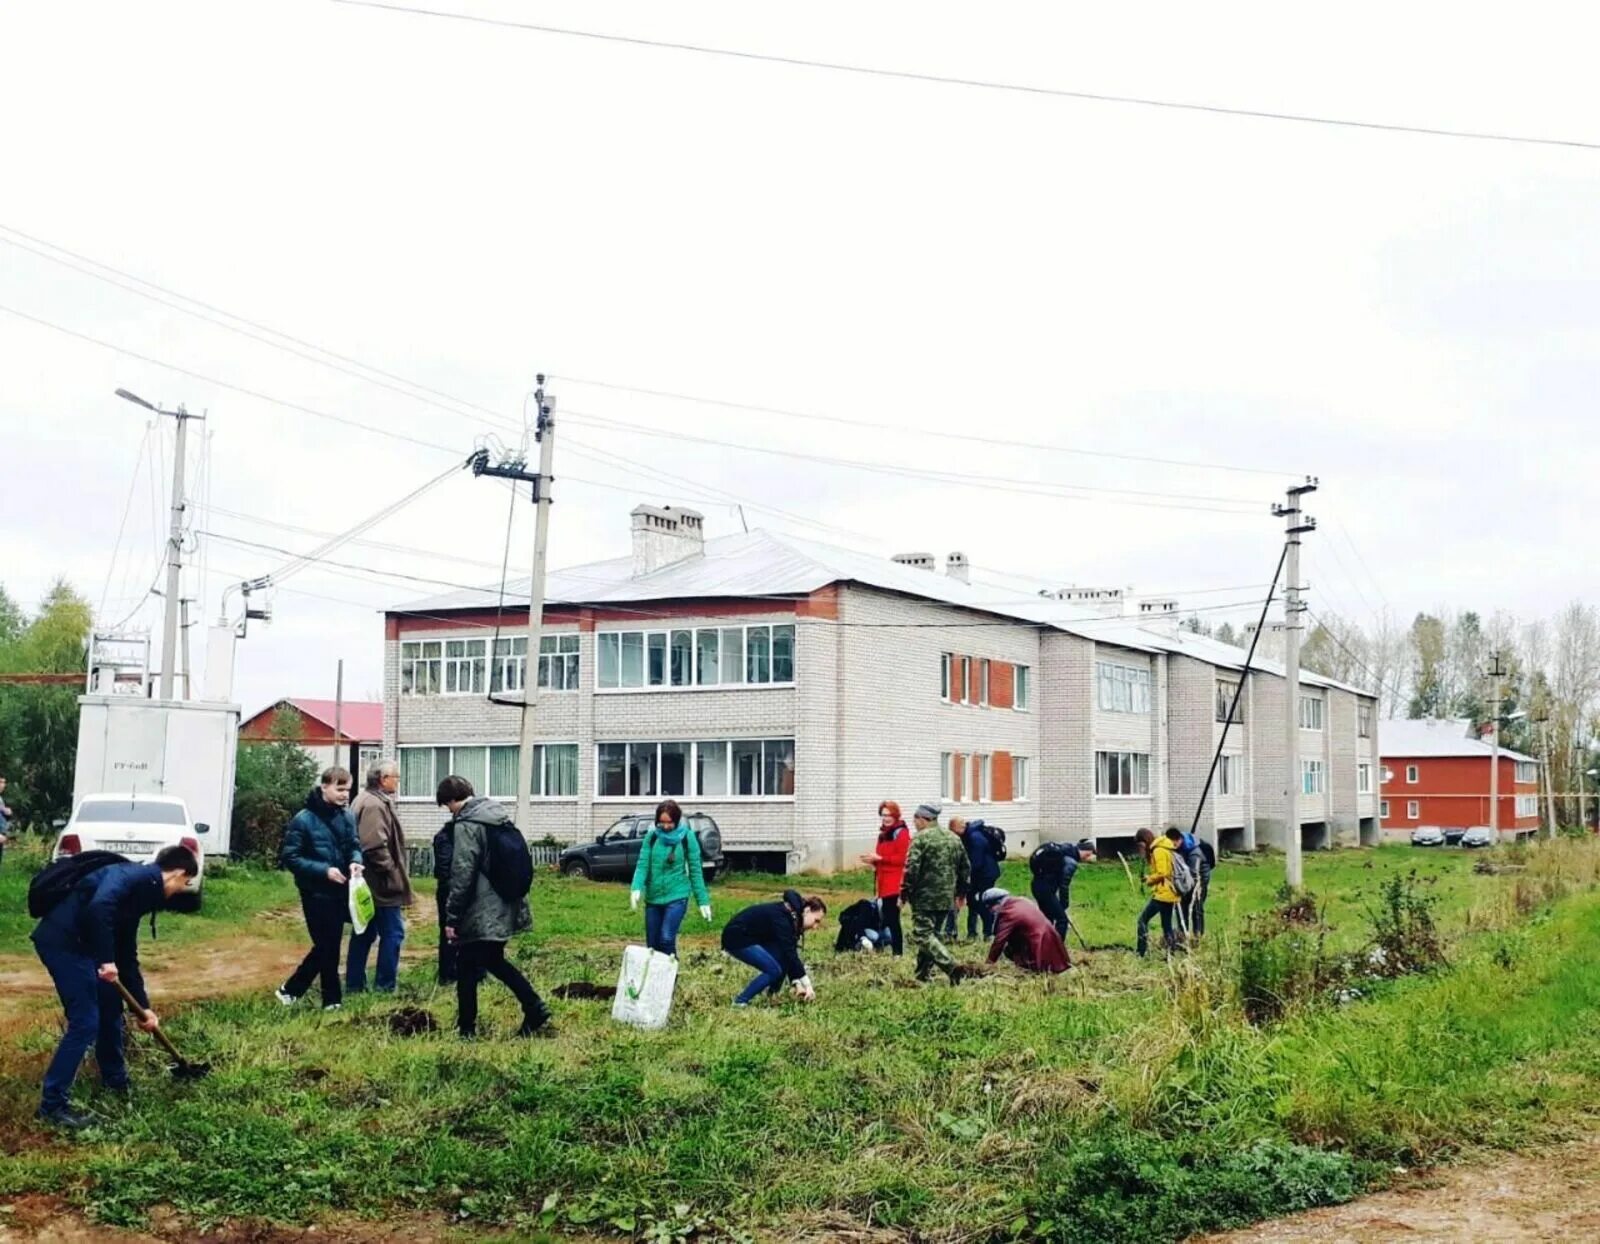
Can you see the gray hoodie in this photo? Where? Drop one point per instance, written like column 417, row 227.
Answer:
column 472, row 908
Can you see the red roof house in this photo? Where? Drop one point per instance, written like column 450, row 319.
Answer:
column 359, row 742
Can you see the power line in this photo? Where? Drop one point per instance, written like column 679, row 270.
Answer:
column 907, row 75
column 939, row 433
column 257, row 335
column 1118, row 496
column 122, row 527
column 232, row 388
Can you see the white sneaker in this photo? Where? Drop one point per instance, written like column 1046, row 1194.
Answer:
column 288, row 999
column 332, row 1006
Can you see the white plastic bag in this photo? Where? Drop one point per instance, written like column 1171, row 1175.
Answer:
column 362, row 906
column 644, row 990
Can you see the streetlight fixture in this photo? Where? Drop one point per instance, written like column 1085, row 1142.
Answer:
column 136, row 400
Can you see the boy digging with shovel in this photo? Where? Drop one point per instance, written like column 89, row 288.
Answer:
column 89, row 943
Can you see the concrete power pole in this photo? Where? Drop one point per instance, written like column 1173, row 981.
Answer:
column 1497, row 672
column 357, row 780
column 1295, row 525
column 545, row 433
column 1544, row 773
column 180, row 505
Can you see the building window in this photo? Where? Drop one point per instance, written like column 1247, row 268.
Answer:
column 717, row 769
column 1022, row 696
column 509, row 664
column 1413, row 775
column 944, row 677
column 721, row 656
column 1364, row 721
column 421, row 667
column 466, row 666
column 1363, row 779
column 1527, row 771
column 947, row 762
column 1122, row 689
column 1383, row 809
column 1227, row 693
column 1310, row 712
column 983, row 682
column 558, row 662
column 1121, row 773
column 1527, row 805
column 1019, row 779
column 1413, row 810
column 981, row 773
column 1313, row 777
column 492, row 770
column 1228, row 775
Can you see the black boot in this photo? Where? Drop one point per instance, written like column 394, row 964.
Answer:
column 536, row 1023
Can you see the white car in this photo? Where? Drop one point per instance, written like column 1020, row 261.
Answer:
column 137, row 827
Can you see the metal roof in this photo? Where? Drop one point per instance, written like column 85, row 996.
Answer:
column 764, row 564
column 1401, row 739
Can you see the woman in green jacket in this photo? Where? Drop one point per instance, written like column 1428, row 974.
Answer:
column 669, row 870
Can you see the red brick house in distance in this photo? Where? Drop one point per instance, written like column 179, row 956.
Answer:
column 1437, row 773
column 360, row 741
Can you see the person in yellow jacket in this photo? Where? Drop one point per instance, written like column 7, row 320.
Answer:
column 1164, row 896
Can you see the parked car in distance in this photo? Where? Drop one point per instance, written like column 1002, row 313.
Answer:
column 1452, row 836
column 136, row 827
column 1427, row 836
column 614, row 854
column 1478, row 836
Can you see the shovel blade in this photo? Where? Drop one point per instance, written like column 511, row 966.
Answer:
column 190, row 1071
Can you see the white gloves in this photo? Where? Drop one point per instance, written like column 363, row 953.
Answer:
column 706, row 912
column 804, row 988
column 633, row 900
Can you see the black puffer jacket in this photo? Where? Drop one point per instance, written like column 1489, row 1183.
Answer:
column 773, row 926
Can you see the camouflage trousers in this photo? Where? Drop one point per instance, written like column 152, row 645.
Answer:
column 930, row 950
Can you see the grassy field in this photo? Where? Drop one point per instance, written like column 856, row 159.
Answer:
column 1125, row 1100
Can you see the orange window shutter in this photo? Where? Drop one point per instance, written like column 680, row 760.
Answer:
column 1002, row 792
column 977, row 776
column 972, row 679
column 958, row 678
column 1003, row 685
column 955, row 778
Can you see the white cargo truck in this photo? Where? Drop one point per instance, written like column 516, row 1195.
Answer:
column 186, row 748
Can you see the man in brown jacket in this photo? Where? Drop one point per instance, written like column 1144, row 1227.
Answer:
column 383, row 848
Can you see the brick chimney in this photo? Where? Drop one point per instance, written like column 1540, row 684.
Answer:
column 918, row 561
column 957, row 567
column 663, row 536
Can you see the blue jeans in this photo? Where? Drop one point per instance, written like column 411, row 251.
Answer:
column 94, row 1017
column 661, row 924
column 388, row 929
column 766, row 963
column 1155, row 907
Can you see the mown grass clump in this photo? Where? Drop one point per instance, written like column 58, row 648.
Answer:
column 1125, row 1100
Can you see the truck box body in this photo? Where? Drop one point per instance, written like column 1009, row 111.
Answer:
column 161, row 747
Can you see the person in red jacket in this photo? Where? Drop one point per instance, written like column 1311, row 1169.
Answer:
column 1025, row 935
column 889, row 868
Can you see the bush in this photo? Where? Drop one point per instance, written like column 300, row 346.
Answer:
column 1117, row 1186
column 1284, row 960
column 270, row 783
column 1405, row 939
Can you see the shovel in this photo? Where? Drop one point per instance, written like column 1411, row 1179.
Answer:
column 182, row 1068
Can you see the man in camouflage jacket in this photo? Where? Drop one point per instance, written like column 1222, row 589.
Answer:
column 937, row 871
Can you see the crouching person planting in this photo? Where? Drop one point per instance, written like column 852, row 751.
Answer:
column 767, row 938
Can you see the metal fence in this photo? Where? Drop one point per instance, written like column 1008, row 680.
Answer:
column 420, row 859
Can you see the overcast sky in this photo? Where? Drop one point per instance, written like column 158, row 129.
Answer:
column 1413, row 319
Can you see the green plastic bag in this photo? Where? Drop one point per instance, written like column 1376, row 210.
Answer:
column 362, row 905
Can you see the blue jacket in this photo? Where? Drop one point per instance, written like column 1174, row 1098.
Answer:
column 100, row 920
column 980, row 853
column 773, row 926
column 320, row 837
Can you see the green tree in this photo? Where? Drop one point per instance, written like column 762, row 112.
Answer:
column 12, row 619
column 271, row 778
column 39, row 724
column 1227, row 635
column 1428, row 695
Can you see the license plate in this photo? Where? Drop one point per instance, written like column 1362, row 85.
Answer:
column 127, row 848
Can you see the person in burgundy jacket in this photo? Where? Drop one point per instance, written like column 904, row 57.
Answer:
column 1025, row 935
column 889, row 868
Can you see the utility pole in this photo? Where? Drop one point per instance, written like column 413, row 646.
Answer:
column 1544, row 773
column 169, row 623
column 338, row 721
column 545, row 434
column 1295, row 525
column 1497, row 671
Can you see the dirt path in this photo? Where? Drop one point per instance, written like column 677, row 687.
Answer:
column 1554, row 1195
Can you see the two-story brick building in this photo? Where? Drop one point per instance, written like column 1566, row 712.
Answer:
column 787, row 686
column 1438, row 773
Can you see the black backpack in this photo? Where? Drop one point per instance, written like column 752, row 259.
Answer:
column 507, row 861
column 54, row 882
column 1048, row 859
column 997, row 840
